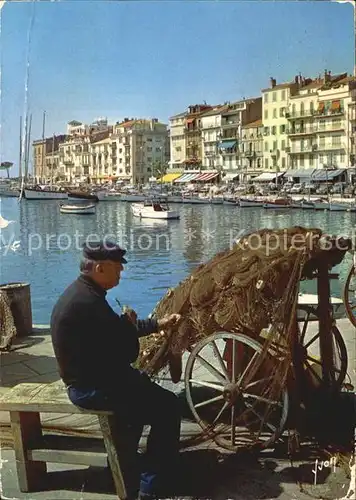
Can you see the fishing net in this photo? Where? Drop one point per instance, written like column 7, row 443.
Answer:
column 243, row 289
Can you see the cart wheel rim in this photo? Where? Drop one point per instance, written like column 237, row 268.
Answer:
column 235, row 395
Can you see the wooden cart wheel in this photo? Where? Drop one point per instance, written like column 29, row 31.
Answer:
column 229, row 405
column 350, row 295
column 309, row 342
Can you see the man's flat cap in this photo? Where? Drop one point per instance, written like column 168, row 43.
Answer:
column 104, row 250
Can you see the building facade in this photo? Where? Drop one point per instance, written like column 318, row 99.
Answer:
column 42, row 152
column 252, row 149
column 141, row 149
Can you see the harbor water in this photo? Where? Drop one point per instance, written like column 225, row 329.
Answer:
column 42, row 246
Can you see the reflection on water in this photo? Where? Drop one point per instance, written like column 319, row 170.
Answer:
column 160, row 253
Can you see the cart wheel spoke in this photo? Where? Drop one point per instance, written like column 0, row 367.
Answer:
column 225, row 405
column 312, row 340
column 209, row 401
column 318, row 362
column 207, row 384
column 220, row 359
column 305, row 327
column 233, row 425
column 270, row 426
column 247, row 368
column 256, row 382
column 307, row 364
column 211, row 369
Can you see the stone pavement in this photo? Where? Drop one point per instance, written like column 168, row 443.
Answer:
column 217, row 475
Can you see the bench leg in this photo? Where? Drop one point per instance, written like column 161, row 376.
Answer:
column 26, row 428
column 107, row 425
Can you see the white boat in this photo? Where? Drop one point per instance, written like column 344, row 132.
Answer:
column 108, row 196
column 307, row 205
column 247, row 202
column 172, row 198
column 78, row 209
column 339, row 207
column 154, row 210
column 196, row 200
column 38, row 193
column 321, row 205
column 9, row 193
column 230, row 201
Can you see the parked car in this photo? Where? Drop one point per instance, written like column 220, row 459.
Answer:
column 310, row 187
column 297, row 188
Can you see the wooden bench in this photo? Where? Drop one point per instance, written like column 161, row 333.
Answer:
column 25, row 402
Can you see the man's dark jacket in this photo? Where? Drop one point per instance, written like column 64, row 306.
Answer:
column 94, row 346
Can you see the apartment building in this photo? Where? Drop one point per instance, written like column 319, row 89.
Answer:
column 140, row 148
column 252, row 149
column 42, row 152
column 276, row 100
column 334, row 130
column 222, row 135
column 177, row 141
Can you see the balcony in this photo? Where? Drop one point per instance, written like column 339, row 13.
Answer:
column 301, row 115
column 324, row 128
column 230, row 123
column 302, row 131
column 327, row 114
column 308, row 148
column 329, row 146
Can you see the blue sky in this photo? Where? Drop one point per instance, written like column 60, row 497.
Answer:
column 153, row 59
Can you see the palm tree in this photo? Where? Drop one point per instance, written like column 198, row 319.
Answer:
column 6, row 165
column 159, row 170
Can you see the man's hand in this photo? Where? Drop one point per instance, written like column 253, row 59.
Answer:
column 170, row 320
column 131, row 315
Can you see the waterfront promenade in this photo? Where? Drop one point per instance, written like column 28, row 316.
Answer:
column 215, row 474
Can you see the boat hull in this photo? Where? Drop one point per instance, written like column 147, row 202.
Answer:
column 107, row 196
column 147, row 212
column 33, row 194
column 277, row 205
column 77, row 210
column 250, row 203
column 9, row 193
column 86, row 197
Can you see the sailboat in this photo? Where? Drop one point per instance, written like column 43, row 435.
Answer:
column 42, row 192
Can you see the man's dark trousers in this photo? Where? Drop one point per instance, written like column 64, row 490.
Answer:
column 137, row 401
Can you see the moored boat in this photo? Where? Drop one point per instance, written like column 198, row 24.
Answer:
column 278, row 203
column 249, row 203
column 108, row 196
column 42, row 193
column 82, row 196
column 78, row 209
column 154, row 210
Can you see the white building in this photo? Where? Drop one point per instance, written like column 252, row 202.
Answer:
column 140, row 148
column 177, row 140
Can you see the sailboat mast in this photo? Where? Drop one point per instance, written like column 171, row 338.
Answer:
column 43, row 143
column 20, row 151
column 52, row 161
column 28, row 147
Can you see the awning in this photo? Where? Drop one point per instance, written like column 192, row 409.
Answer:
column 169, row 177
column 186, row 177
column 189, row 120
column 325, row 175
column 227, row 144
column 206, row 176
column 268, row 176
column 321, row 106
column 304, row 173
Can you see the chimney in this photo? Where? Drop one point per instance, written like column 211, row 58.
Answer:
column 296, row 79
column 273, row 82
column 326, row 76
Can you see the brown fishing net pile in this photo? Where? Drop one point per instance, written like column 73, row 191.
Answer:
column 244, row 289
